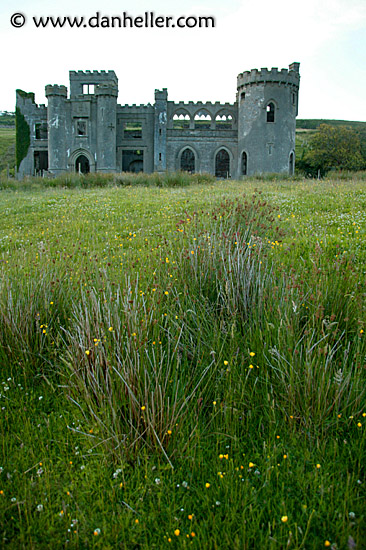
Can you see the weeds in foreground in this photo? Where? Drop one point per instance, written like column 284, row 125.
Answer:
column 195, row 385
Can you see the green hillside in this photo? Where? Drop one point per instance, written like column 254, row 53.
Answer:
column 7, row 149
column 314, row 123
column 7, row 119
column 306, row 128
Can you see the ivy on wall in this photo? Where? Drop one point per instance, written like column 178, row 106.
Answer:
column 22, row 137
column 22, row 141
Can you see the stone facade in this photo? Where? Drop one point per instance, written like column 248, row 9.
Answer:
column 90, row 132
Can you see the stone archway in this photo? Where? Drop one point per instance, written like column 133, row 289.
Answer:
column 188, row 161
column 82, row 165
column 222, row 164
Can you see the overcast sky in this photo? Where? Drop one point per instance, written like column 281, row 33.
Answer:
column 327, row 37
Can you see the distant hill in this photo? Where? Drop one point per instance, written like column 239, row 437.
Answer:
column 7, row 119
column 314, row 123
column 307, row 127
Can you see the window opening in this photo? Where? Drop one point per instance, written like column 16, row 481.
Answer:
column 244, row 164
column 188, row 161
column 224, row 122
column 41, row 130
column 88, row 89
column 133, row 130
column 292, row 164
column 270, row 112
column 202, row 120
column 81, row 127
column 222, row 164
column 181, row 121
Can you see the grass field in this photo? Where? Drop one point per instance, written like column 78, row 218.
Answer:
column 183, row 367
column 7, row 150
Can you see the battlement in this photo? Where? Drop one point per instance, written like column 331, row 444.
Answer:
column 134, row 107
column 26, row 100
column 109, row 75
column 202, row 104
column 284, row 76
column 79, row 79
column 106, row 89
column 55, row 89
column 161, row 94
column 22, row 96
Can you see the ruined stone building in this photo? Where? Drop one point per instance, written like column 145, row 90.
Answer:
column 88, row 131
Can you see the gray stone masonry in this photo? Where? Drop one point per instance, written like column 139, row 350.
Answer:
column 90, row 132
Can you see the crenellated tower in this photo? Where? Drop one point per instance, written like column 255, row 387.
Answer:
column 106, row 95
column 267, row 109
column 93, row 97
column 160, row 130
column 57, row 128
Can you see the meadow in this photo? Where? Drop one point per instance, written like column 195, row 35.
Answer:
column 183, row 363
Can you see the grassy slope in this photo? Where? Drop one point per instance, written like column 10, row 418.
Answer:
column 285, row 439
column 7, row 148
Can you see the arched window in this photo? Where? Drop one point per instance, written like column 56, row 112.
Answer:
column 82, row 165
column 202, row 120
column 224, row 121
column 291, row 167
column 181, row 120
column 244, row 164
column 270, row 112
column 222, row 164
column 188, row 161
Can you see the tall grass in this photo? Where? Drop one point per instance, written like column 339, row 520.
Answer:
column 200, row 369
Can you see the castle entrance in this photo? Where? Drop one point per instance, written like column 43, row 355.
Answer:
column 133, row 160
column 40, row 162
column 222, row 164
column 82, row 165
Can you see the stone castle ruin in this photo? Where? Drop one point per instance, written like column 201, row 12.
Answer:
column 90, row 132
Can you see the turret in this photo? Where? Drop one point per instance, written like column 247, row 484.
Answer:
column 161, row 106
column 85, row 82
column 106, row 95
column 267, row 106
column 56, row 119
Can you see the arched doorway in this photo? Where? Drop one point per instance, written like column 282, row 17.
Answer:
column 188, row 161
column 222, row 164
column 244, row 164
column 82, row 165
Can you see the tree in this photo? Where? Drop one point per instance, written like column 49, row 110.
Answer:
column 336, row 148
